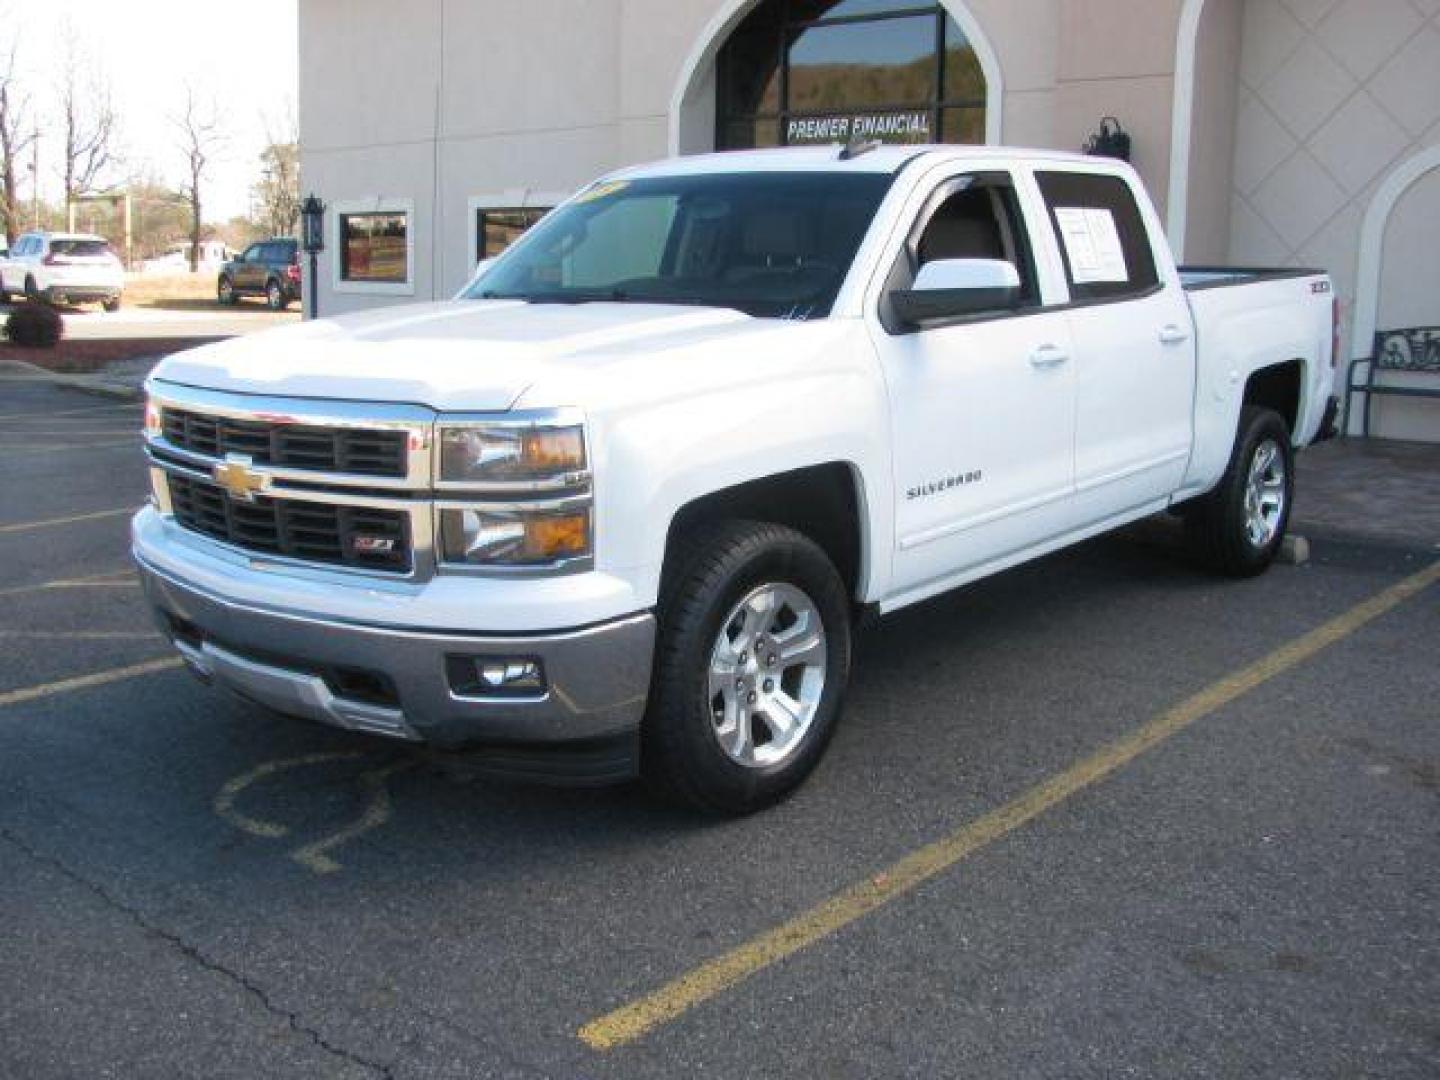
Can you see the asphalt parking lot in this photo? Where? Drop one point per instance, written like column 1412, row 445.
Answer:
column 1099, row 816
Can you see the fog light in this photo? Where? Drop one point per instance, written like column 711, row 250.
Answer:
column 496, row 676
column 515, row 674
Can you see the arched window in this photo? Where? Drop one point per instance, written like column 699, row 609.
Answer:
column 821, row 71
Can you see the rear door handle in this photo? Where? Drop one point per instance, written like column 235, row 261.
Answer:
column 1173, row 335
column 1048, row 356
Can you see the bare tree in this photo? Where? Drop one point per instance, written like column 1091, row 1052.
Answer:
column 87, row 117
column 201, row 134
column 17, row 132
column 275, row 197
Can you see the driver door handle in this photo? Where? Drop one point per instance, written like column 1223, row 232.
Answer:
column 1048, row 356
column 1173, row 335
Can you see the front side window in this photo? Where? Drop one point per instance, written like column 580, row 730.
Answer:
column 768, row 244
column 374, row 247
column 1102, row 237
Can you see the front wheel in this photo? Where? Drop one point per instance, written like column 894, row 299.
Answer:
column 751, row 664
column 225, row 291
column 1238, row 528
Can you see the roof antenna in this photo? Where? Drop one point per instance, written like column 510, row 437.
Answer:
column 855, row 147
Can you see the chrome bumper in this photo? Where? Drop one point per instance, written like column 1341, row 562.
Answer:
column 596, row 678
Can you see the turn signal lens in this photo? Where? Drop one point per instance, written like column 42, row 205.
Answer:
column 554, row 449
column 154, row 425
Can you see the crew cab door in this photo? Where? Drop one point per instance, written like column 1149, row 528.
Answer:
column 982, row 408
column 1133, row 337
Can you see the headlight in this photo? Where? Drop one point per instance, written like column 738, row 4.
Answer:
column 499, row 453
column 530, row 537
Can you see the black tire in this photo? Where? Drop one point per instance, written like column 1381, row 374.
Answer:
column 708, row 574
column 112, row 305
column 274, row 295
column 1217, row 524
column 31, row 292
column 225, row 291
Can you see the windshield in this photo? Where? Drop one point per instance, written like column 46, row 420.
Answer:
column 773, row 245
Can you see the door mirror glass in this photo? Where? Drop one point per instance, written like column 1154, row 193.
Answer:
column 952, row 288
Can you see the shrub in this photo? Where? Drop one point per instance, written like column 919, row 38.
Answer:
column 36, row 326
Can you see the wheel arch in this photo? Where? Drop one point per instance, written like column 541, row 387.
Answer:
column 1281, row 387
column 826, row 502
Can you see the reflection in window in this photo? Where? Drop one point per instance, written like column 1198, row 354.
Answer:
column 496, row 229
column 373, row 247
column 821, row 71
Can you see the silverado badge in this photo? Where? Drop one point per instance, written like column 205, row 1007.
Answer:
column 237, row 477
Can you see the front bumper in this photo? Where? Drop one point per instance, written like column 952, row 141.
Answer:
column 402, row 683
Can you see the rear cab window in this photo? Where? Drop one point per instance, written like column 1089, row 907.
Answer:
column 79, row 247
column 1101, row 235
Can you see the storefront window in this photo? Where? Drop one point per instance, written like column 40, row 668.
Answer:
column 497, row 228
column 811, row 71
column 373, row 247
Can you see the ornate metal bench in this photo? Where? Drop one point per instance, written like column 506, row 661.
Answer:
column 1415, row 350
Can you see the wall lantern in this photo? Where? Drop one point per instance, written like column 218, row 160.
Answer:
column 312, row 229
column 1111, row 141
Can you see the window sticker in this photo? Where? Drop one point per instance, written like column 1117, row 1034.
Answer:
column 1092, row 244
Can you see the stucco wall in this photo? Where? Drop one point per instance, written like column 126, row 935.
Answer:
column 442, row 101
column 1333, row 94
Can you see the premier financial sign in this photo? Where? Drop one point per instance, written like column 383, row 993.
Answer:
column 887, row 127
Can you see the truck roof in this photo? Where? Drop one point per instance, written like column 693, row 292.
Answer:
column 889, row 158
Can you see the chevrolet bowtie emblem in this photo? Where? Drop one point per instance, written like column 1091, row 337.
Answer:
column 237, row 477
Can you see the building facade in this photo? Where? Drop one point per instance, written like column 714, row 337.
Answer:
column 1269, row 132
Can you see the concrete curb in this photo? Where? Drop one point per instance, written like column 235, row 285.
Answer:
column 98, row 385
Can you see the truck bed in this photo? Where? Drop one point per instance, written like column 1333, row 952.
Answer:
column 1219, row 277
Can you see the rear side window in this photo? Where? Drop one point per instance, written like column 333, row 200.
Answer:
column 1101, row 235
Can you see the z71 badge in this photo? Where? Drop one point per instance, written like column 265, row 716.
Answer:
column 935, row 487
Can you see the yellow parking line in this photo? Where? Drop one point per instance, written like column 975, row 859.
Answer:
column 122, row 579
column 64, row 447
column 26, row 526
column 81, row 635
column 84, row 682
column 87, row 434
column 70, row 412
column 631, row 1021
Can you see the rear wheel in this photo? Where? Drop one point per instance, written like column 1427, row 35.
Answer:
column 1238, row 528
column 112, row 304
column 31, row 292
column 274, row 296
column 225, row 290
column 751, row 664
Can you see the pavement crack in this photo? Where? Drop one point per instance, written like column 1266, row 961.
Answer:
column 196, row 956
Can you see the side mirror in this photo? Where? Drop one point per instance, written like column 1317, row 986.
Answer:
column 951, row 288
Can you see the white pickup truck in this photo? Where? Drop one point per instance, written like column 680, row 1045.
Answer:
column 617, row 507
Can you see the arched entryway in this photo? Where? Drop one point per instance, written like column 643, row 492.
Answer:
column 788, row 72
column 1397, row 283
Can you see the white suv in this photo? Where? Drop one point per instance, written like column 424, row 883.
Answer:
column 63, row 268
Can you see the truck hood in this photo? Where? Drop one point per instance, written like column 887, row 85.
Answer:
column 455, row 355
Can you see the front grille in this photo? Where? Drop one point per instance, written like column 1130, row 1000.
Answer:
column 296, row 446
column 313, row 531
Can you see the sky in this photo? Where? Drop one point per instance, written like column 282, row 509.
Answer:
column 242, row 56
